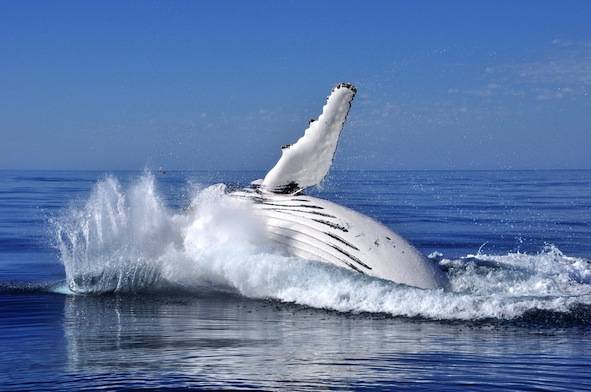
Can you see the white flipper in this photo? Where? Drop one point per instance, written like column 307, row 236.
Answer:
column 306, row 162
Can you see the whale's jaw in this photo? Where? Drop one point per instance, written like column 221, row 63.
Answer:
column 318, row 229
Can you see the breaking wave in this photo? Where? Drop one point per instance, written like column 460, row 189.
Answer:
column 125, row 239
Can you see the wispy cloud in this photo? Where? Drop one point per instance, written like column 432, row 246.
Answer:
column 489, row 90
column 558, row 93
column 565, row 72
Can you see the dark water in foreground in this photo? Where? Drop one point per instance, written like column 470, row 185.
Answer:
column 224, row 313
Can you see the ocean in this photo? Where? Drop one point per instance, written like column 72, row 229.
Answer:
column 232, row 312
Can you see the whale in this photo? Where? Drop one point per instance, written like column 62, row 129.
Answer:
column 321, row 230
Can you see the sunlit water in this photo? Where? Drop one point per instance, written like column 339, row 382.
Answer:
column 134, row 280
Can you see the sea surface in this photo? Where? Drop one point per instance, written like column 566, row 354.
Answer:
column 173, row 290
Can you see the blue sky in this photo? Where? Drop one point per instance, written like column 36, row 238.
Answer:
column 221, row 85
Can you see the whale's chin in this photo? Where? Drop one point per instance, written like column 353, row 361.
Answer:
column 321, row 230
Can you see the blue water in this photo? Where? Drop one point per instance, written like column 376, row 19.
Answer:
column 227, row 312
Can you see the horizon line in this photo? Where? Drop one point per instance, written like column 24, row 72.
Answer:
column 263, row 170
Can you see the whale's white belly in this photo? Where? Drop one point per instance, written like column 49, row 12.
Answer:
column 320, row 230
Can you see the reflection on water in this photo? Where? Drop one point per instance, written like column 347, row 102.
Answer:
column 231, row 341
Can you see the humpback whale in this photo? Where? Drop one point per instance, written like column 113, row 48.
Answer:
column 318, row 229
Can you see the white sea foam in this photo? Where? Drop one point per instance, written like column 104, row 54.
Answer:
column 126, row 239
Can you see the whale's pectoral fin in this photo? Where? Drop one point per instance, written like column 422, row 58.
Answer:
column 306, row 162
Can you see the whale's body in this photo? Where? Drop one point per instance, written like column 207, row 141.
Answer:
column 318, row 229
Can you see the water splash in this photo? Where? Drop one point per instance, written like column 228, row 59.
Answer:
column 126, row 239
